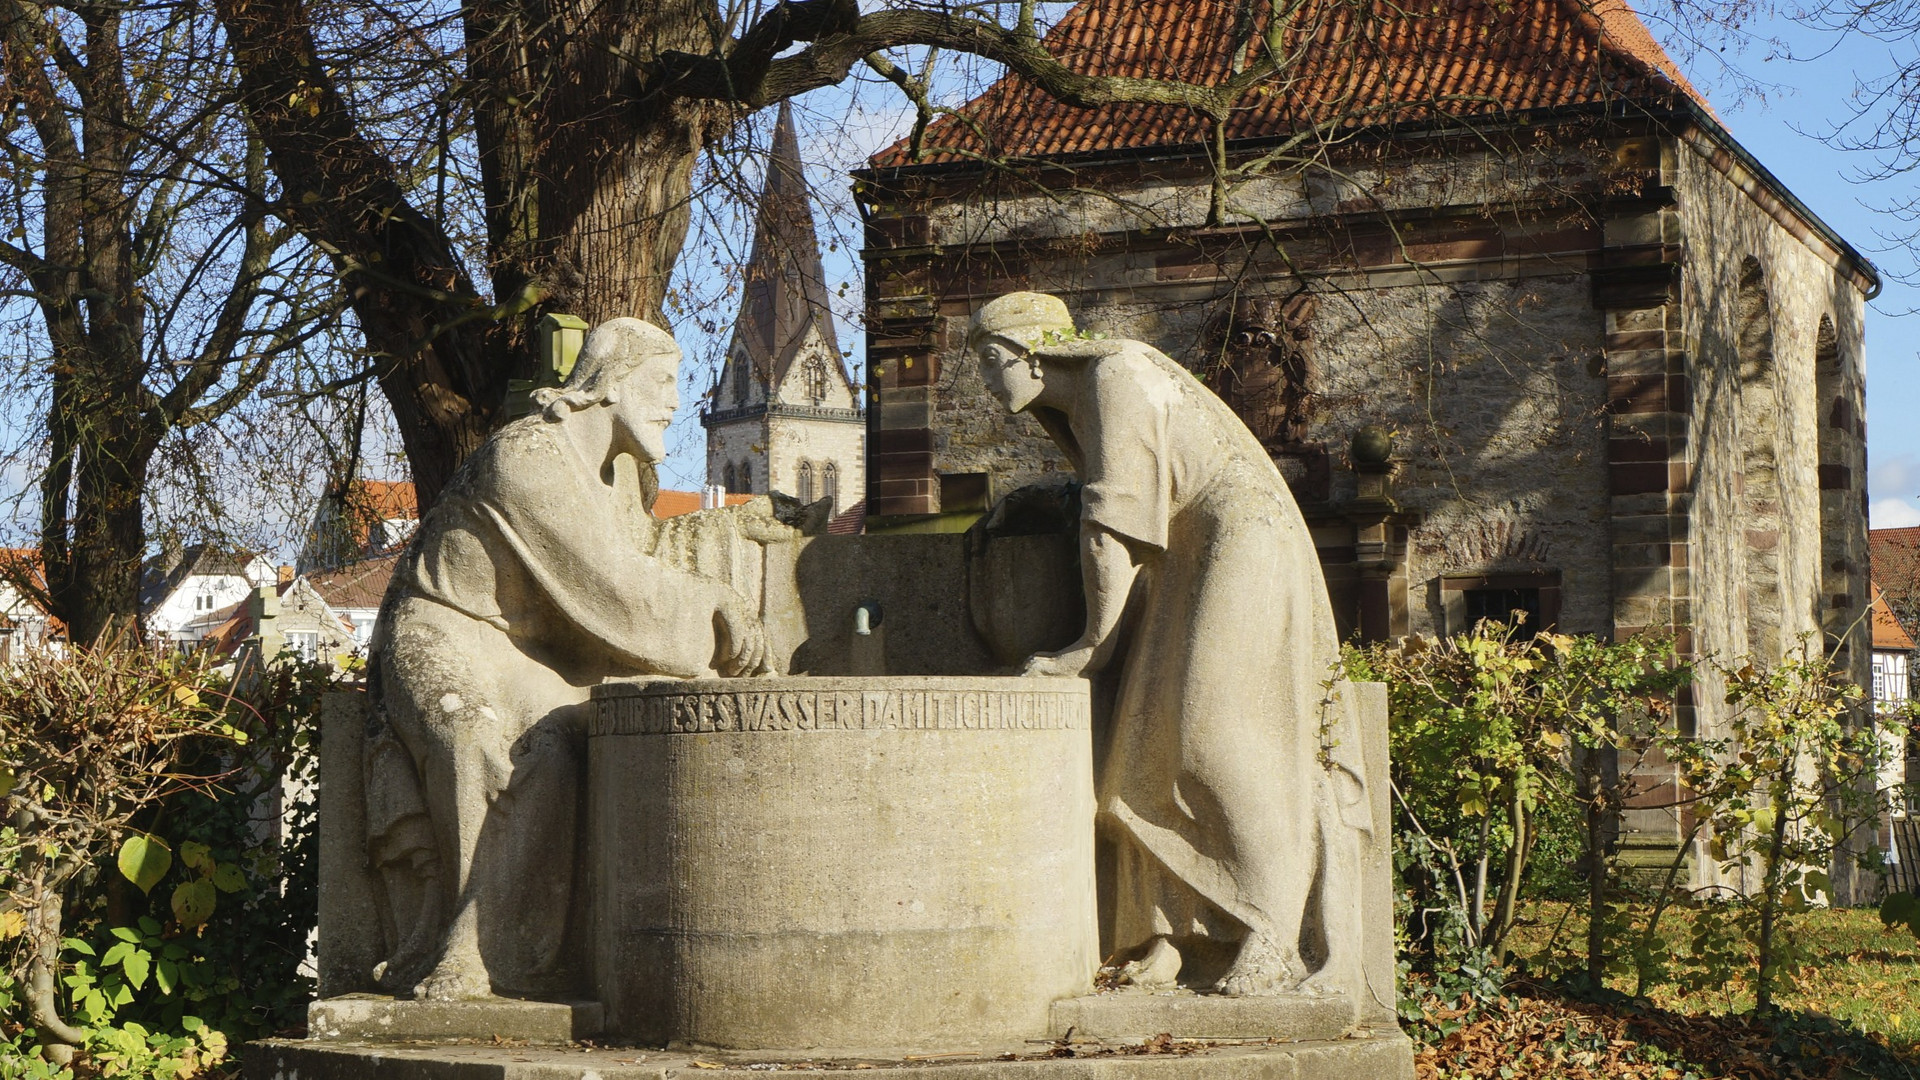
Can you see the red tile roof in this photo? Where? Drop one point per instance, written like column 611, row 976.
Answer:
column 1895, row 558
column 1888, row 634
column 849, row 522
column 1360, row 65
column 674, row 503
column 388, row 499
column 355, row 585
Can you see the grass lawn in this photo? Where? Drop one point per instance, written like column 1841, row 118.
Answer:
column 1851, row 1010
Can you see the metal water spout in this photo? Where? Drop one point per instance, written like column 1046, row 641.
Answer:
column 868, row 653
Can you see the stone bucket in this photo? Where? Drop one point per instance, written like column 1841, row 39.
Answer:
column 843, row 864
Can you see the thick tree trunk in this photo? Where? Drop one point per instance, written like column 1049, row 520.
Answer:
column 587, row 198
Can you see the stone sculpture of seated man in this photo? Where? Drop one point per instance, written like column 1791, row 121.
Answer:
column 1232, row 780
column 526, row 585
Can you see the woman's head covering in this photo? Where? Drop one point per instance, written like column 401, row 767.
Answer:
column 1023, row 317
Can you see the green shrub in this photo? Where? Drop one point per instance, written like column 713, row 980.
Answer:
column 158, row 880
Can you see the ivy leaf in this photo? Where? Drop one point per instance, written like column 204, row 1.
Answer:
column 196, row 856
column 1899, row 908
column 136, row 966
column 193, row 902
column 144, row 860
column 228, row 878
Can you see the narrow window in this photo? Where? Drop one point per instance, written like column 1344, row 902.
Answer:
column 830, row 483
column 806, row 482
column 740, row 386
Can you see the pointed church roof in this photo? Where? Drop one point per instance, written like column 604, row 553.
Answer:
column 1356, row 64
column 785, row 287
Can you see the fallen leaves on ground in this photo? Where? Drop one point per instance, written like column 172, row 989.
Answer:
column 1533, row 1034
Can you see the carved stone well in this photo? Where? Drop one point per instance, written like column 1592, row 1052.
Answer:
column 841, row 863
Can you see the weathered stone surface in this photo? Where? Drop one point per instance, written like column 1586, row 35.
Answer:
column 1387, row 1056
column 530, row 579
column 1140, row 1014
column 349, row 941
column 846, row 863
column 1233, row 787
column 382, row 1019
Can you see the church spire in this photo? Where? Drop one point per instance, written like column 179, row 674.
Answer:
column 785, row 287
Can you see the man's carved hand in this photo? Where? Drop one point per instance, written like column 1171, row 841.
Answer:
column 741, row 641
column 1073, row 661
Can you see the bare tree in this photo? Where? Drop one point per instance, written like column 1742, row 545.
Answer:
column 587, row 123
column 139, row 238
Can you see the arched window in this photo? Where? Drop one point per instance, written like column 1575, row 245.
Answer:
column 741, row 375
column 806, row 482
column 746, row 477
column 816, row 380
column 727, row 478
column 830, row 484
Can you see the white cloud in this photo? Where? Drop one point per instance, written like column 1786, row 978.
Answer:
column 1899, row 513
column 1894, row 483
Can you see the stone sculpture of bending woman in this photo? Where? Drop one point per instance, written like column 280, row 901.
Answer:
column 526, row 586
column 1216, row 785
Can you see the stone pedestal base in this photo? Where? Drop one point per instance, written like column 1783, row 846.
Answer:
column 1386, row 1056
column 1130, row 1016
column 382, row 1019
column 841, row 864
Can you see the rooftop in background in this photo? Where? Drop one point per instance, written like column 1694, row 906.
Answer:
column 355, row 585
column 368, row 518
column 163, row 574
column 1888, row 634
column 1383, row 63
column 1895, row 557
column 674, row 503
column 388, row 499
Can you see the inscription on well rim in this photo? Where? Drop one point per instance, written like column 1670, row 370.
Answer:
column 841, row 710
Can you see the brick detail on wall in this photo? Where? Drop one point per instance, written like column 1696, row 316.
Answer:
column 903, row 360
column 1649, row 396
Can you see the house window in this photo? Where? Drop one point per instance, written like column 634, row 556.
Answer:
column 307, row 645
column 1469, row 598
column 1499, row 605
column 806, row 482
column 830, row 483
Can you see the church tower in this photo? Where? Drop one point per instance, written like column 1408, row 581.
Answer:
column 783, row 415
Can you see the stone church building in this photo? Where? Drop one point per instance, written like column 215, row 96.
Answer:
column 1519, row 319
column 783, row 415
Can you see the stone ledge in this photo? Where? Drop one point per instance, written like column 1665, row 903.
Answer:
column 1135, row 1015
column 1387, row 1056
column 375, row 1017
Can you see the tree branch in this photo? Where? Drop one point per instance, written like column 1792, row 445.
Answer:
column 750, row 75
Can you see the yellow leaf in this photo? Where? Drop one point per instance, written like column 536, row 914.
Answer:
column 13, row 924
column 187, row 696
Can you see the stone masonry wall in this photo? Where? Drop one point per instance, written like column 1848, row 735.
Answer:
column 1774, row 326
